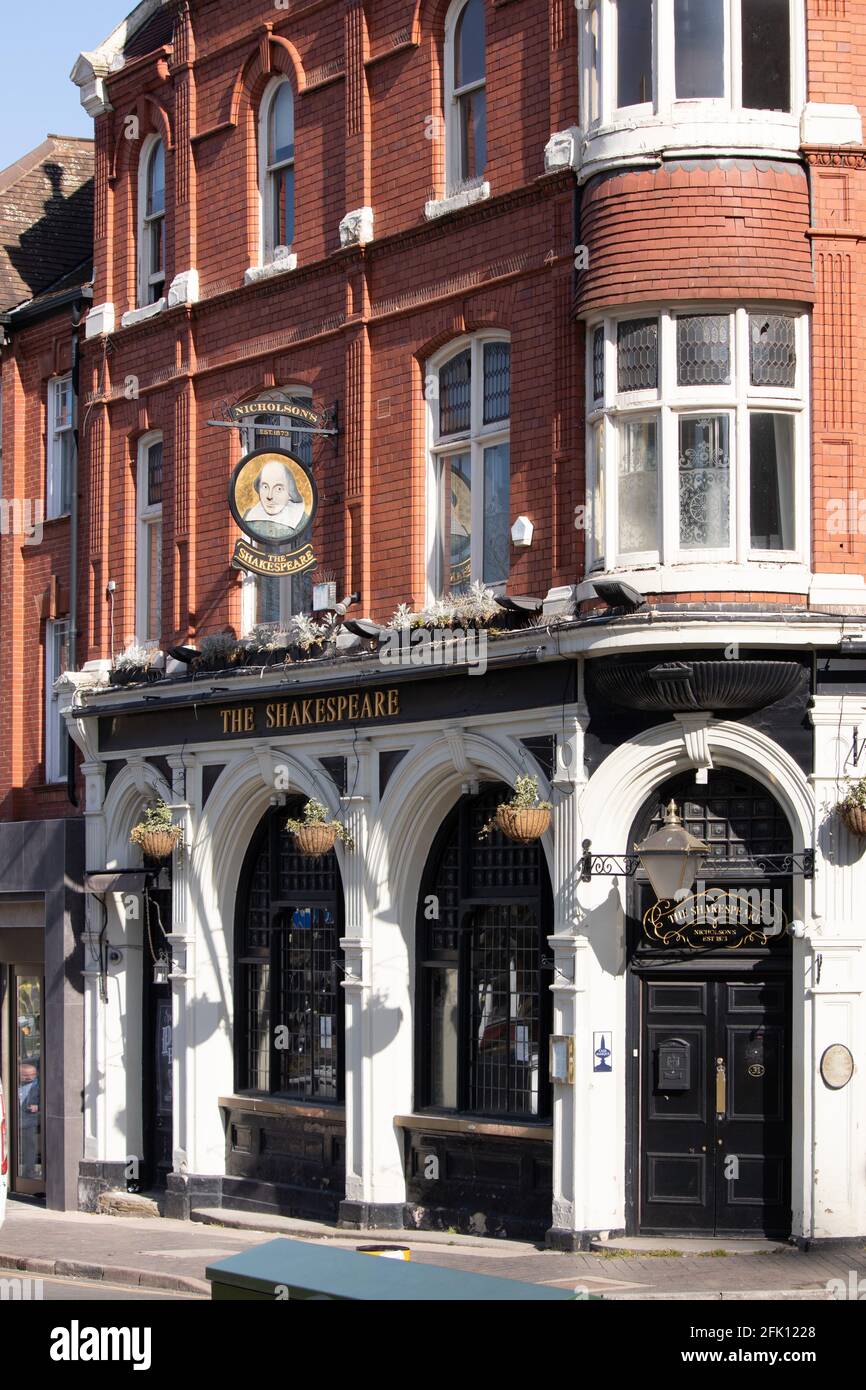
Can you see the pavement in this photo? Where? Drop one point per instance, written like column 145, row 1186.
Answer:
column 163, row 1254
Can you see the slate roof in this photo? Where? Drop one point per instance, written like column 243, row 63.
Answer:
column 46, row 217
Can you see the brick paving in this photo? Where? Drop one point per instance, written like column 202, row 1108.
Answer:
column 160, row 1253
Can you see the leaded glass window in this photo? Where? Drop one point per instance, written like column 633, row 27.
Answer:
column 289, row 1033
column 773, row 350
column 455, row 394
column 484, row 974
column 497, row 381
column 703, row 350
column 637, row 344
column 598, row 363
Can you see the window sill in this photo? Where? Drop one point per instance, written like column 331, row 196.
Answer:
column 280, row 266
column 440, row 207
column 453, row 1124
column 789, row 576
column 147, row 311
column 261, row 1105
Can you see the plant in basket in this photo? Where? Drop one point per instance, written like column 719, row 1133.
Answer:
column 852, row 807
column 156, row 833
column 524, row 818
column 315, row 834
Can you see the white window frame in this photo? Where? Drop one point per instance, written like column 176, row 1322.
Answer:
column 671, row 402
column 150, row 279
column 267, row 250
column 56, row 745
column 712, row 118
column 474, row 441
column 58, row 505
column 249, row 583
column 147, row 516
column 454, row 181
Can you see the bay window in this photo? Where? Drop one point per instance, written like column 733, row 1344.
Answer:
column 469, row 391
column 697, row 438
column 646, row 58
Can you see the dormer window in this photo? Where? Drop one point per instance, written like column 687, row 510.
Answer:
column 151, row 225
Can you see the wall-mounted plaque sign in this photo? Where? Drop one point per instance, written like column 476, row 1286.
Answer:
column 273, row 498
column 837, row 1066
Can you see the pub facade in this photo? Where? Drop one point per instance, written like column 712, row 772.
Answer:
column 524, row 322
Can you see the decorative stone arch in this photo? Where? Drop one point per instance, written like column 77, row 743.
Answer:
column 138, row 783
column 623, row 783
column 273, row 56
column 153, row 120
column 425, row 787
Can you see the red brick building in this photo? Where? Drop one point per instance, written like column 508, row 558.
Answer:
column 572, row 294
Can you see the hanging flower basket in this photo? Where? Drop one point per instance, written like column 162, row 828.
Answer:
column 524, row 818
column 156, row 833
column 315, row 835
column 852, row 808
column 523, row 823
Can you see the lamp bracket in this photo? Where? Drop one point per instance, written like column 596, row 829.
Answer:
column 756, row 866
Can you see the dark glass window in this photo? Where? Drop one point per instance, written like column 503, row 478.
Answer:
column 154, row 475
column 484, row 977
column 637, row 343
column 289, row 1033
column 704, row 350
column 771, row 484
column 766, row 27
column 455, row 394
column 699, row 43
column 634, row 52
column 773, row 350
column 497, row 382
column 469, row 91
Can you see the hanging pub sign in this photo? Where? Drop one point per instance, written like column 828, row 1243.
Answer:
column 711, row 918
column 260, row 414
column 273, row 498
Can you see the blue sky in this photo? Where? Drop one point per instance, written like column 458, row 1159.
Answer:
column 40, row 45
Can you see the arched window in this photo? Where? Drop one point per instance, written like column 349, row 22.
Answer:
column 151, row 222
column 148, row 548
column 288, row 1000
column 277, row 169
column 469, row 400
column 484, row 979
column 267, row 599
column 465, row 95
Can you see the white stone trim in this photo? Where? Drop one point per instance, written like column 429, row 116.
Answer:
column 825, row 123
column 101, row 319
column 184, row 289
column 440, row 207
column 356, row 228
column 792, row 578
column 147, row 311
column 91, row 68
column 838, row 590
column 278, row 266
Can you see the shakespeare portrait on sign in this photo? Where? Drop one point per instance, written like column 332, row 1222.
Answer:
column 272, row 497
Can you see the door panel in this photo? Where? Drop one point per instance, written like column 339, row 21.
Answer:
column 715, row 1108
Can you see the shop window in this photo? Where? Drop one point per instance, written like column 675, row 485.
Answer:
column 734, row 53
column 288, row 1000
column 60, row 462
column 56, row 737
column 268, row 599
column 148, row 577
column 699, row 421
column 151, row 222
column 469, row 401
column 277, row 168
column 484, row 977
column 465, row 95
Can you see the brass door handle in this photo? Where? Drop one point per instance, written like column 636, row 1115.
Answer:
column 721, row 1088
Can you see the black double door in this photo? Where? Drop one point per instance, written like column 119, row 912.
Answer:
column 715, row 1087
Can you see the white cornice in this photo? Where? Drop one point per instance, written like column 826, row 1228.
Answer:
column 92, row 68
